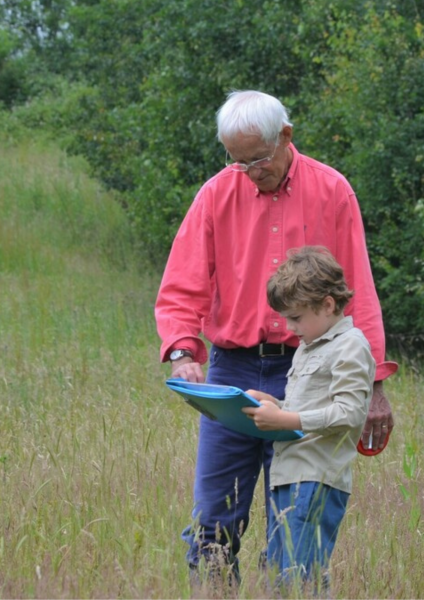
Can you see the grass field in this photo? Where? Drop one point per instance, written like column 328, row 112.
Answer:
column 97, row 456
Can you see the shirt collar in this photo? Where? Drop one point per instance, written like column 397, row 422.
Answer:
column 288, row 178
column 340, row 327
column 293, row 167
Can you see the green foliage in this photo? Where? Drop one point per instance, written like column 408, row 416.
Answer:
column 54, row 113
column 368, row 121
column 134, row 85
column 108, row 48
column 95, row 491
column 11, row 71
column 39, row 26
column 48, row 201
column 149, row 129
column 39, row 50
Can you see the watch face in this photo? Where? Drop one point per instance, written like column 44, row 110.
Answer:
column 176, row 354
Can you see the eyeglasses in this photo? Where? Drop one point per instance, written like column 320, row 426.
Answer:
column 261, row 163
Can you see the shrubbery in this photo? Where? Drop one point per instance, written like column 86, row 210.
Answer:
column 141, row 81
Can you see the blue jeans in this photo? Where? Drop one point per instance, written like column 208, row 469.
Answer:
column 229, row 463
column 303, row 526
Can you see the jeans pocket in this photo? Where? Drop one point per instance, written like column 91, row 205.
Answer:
column 216, row 356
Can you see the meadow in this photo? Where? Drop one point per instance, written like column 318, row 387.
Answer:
column 97, row 456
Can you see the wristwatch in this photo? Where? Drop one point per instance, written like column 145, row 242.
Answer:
column 177, row 354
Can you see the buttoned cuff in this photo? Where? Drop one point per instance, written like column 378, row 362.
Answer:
column 312, row 420
column 193, row 344
column 385, row 369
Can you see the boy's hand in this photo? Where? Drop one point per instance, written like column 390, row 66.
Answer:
column 260, row 396
column 269, row 415
column 266, row 417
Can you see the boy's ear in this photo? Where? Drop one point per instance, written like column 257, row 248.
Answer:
column 329, row 305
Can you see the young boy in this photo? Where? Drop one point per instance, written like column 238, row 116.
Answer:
column 327, row 396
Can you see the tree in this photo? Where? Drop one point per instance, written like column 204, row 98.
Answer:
column 150, row 74
column 368, row 120
column 149, row 129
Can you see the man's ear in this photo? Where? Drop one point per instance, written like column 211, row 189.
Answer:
column 286, row 135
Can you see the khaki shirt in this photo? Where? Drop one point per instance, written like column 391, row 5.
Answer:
column 330, row 385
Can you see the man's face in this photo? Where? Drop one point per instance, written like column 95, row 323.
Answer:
column 248, row 148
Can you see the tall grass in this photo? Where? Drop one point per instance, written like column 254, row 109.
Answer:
column 97, row 456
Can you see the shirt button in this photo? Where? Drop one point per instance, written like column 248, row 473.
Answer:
column 275, row 198
column 276, row 324
column 275, row 261
column 289, row 189
column 275, row 229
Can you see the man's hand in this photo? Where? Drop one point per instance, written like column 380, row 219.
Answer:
column 187, row 369
column 379, row 421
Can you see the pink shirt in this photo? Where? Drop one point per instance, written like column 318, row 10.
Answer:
column 233, row 239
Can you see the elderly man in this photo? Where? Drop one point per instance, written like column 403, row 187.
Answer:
column 267, row 200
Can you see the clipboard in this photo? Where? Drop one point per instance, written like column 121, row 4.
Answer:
column 223, row 403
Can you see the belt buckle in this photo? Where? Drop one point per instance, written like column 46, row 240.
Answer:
column 261, row 350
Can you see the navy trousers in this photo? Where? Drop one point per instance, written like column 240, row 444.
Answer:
column 229, row 463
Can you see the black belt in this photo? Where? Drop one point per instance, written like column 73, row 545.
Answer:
column 265, row 349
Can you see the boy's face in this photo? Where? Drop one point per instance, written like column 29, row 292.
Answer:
column 310, row 324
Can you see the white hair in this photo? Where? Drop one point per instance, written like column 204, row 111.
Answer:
column 251, row 112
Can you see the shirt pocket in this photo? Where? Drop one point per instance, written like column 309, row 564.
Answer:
column 310, row 369
column 314, row 376
column 310, row 366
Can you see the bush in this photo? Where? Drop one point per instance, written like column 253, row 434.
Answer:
column 367, row 120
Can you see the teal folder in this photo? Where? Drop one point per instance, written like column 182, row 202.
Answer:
column 223, row 403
